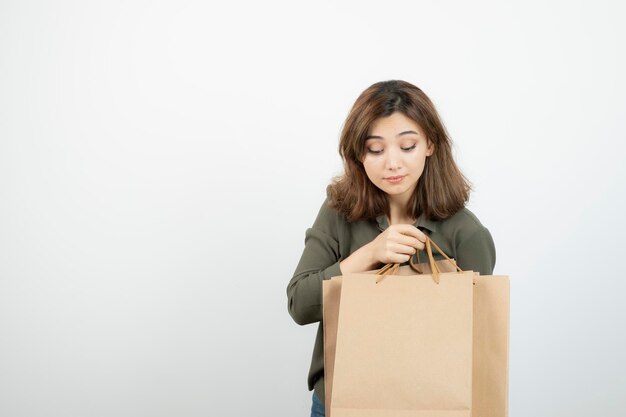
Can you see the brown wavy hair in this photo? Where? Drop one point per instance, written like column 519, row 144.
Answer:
column 441, row 190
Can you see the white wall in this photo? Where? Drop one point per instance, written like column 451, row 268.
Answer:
column 161, row 161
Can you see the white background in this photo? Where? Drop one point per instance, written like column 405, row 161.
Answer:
column 161, row 161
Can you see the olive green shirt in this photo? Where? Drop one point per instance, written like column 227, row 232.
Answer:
column 331, row 239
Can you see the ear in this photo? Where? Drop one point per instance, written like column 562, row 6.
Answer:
column 430, row 149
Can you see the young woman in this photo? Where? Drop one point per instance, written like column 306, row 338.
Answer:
column 400, row 185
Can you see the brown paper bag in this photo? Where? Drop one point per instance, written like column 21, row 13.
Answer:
column 404, row 345
column 490, row 345
column 331, row 295
column 490, row 380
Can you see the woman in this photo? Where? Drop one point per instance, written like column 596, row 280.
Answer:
column 400, row 185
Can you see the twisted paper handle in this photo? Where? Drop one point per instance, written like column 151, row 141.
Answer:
column 392, row 268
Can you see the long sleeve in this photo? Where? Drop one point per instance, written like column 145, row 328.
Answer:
column 319, row 261
column 477, row 252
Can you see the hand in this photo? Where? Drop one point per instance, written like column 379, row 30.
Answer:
column 397, row 244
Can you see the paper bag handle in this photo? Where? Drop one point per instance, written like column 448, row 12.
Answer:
column 391, row 268
column 431, row 259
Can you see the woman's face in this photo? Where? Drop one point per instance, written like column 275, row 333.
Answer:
column 396, row 147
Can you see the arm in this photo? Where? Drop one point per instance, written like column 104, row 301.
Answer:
column 477, row 252
column 319, row 261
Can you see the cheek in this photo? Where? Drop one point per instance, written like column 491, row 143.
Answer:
column 418, row 162
column 371, row 168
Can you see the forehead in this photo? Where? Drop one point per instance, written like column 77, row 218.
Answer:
column 395, row 125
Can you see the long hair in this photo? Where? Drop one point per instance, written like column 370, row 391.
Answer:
column 441, row 190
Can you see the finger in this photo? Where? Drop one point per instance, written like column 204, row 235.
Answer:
column 410, row 230
column 399, row 248
column 398, row 258
column 409, row 241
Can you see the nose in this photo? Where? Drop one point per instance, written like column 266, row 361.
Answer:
column 392, row 162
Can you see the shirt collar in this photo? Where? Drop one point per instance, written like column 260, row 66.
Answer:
column 421, row 222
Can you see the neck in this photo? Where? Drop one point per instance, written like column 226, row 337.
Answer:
column 397, row 210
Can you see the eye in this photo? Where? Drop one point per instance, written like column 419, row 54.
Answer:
column 377, row 152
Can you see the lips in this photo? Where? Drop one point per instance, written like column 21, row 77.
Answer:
column 395, row 180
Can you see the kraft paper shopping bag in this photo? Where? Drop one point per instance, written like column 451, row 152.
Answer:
column 490, row 379
column 490, row 345
column 331, row 294
column 404, row 345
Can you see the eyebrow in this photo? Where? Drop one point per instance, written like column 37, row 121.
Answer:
column 406, row 132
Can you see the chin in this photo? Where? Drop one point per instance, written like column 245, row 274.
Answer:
column 395, row 191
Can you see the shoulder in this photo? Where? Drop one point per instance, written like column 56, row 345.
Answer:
column 473, row 246
column 461, row 226
column 471, row 242
column 329, row 219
